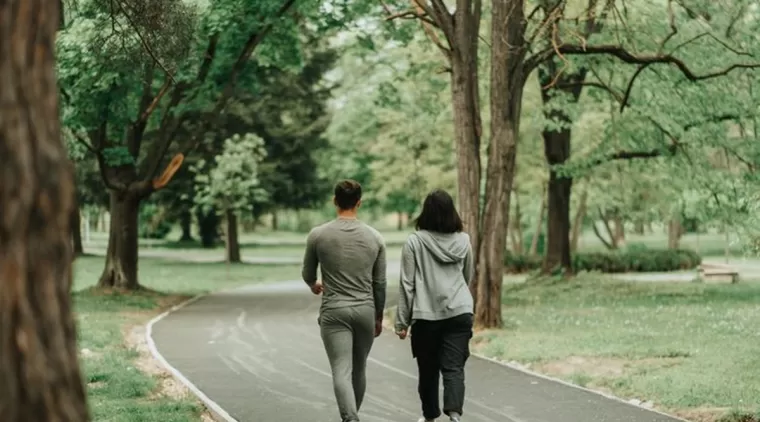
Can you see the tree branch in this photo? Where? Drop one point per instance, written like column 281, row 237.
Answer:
column 253, row 41
column 627, row 57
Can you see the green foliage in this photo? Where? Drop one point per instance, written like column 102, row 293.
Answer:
column 630, row 260
column 231, row 182
column 152, row 222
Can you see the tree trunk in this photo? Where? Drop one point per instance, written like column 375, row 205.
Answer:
column 619, row 230
column 186, row 223
column 675, row 231
column 76, row 231
column 557, row 152
column 275, row 221
column 507, row 84
column 516, row 234
column 580, row 216
column 533, row 251
column 120, row 271
column 208, row 223
column 39, row 370
column 399, row 221
column 638, row 226
column 232, row 245
column 464, row 92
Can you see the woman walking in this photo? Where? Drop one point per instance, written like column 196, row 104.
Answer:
column 435, row 302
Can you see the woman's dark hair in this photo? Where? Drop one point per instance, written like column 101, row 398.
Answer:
column 439, row 214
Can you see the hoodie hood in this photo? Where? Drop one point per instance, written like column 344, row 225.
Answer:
column 445, row 248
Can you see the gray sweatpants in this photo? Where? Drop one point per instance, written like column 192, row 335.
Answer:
column 348, row 334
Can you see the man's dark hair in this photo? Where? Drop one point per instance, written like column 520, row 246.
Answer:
column 347, row 194
column 439, row 214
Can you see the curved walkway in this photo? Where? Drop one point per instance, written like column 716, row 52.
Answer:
column 256, row 352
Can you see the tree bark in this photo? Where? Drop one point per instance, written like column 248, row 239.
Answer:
column 208, row 223
column 231, row 242
column 507, row 84
column 638, row 226
column 76, row 231
column 275, row 221
column 533, row 251
column 39, row 369
column 516, row 234
column 580, row 216
column 464, row 92
column 399, row 221
column 675, row 231
column 120, row 271
column 186, row 224
column 619, row 230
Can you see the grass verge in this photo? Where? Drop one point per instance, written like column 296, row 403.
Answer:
column 689, row 349
column 124, row 384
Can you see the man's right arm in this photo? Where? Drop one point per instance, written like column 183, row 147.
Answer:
column 310, row 259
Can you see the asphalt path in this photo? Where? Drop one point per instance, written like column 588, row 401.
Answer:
column 256, row 352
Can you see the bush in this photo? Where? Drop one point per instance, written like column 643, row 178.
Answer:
column 632, row 260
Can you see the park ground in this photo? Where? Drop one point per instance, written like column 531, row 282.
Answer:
column 685, row 348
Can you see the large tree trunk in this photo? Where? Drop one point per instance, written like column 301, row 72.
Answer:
column 231, row 242
column 580, row 216
column 76, row 231
column 507, row 83
column 186, row 224
column 464, row 93
column 39, row 370
column 120, row 271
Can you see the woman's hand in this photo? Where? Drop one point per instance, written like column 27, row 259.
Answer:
column 401, row 334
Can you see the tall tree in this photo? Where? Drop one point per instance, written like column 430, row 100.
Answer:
column 39, row 369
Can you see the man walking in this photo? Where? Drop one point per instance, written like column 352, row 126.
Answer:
column 351, row 257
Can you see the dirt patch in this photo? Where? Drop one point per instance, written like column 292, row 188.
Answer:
column 134, row 337
column 702, row 414
column 601, row 367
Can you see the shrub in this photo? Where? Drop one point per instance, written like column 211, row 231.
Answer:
column 633, row 260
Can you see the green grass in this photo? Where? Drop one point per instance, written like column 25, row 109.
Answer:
column 681, row 345
column 118, row 391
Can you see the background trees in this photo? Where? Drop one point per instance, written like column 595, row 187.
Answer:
column 619, row 101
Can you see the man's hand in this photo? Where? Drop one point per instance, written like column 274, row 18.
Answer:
column 378, row 326
column 401, row 334
column 317, row 288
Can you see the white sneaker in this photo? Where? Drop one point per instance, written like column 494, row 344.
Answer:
column 426, row 420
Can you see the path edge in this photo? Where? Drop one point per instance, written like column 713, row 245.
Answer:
column 524, row 370
column 217, row 412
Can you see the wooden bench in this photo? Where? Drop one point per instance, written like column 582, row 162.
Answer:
column 717, row 273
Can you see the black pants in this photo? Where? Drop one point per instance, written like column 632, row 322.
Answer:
column 441, row 348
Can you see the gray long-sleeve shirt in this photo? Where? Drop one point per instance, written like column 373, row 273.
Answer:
column 351, row 259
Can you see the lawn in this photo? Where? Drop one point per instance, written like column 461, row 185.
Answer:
column 690, row 349
column 117, row 370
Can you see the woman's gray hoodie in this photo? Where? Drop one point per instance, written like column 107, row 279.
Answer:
column 435, row 271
